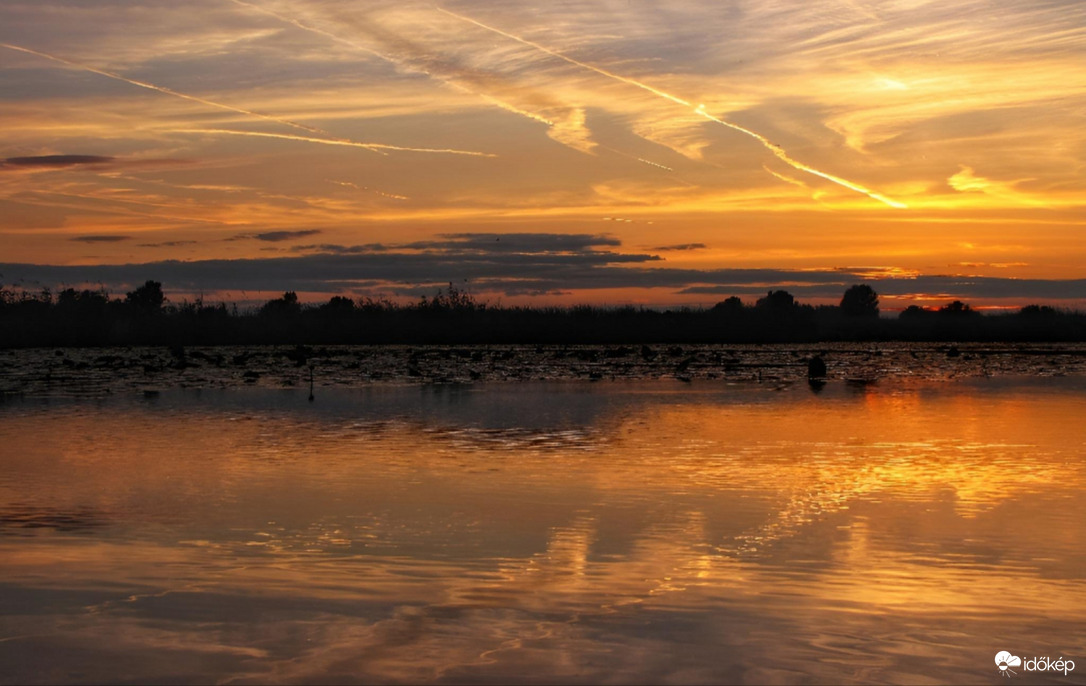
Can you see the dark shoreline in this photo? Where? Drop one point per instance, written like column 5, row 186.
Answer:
column 90, row 318
column 528, row 327
column 91, row 371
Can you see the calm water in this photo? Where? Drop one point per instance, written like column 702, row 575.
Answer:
column 612, row 532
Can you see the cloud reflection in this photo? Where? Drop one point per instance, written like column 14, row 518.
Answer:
column 376, row 551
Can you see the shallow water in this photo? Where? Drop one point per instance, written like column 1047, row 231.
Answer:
column 96, row 372
column 613, row 532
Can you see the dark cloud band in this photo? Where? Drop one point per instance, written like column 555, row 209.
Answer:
column 520, row 273
column 52, row 161
column 100, row 239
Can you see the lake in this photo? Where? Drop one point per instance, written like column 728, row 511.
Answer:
column 555, row 531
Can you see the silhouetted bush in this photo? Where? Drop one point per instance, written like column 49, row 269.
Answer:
column 145, row 317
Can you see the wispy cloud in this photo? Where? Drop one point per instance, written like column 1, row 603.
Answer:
column 100, row 239
column 54, row 161
column 168, row 244
column 565, row 123
column 975, row 125
column 320, row 137
column 700, row 110
column 681, row 246
column 160, row 89
column 276, row 236
column 373, row 147
column 95, row 163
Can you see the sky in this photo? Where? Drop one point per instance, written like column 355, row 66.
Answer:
column 596, row 151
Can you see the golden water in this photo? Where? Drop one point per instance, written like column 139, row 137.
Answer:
column 561, row 532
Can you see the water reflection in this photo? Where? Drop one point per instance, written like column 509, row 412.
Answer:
column 551, row 532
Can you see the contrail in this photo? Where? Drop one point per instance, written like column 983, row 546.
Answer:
column 648, row 162
column 786, row 179
column 118, row 210
column 699, row 110
column 779, row 152
column 161, row 89
column 654, row 164
column 374, row 147
column 565, row 58
column 348, row 184
column 313, row 29
column 451, row 80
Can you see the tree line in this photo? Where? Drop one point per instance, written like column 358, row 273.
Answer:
column 145, row 316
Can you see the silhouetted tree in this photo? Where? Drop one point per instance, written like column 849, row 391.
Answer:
column 147, row 299
column 338, row 304
column 286, row 305
column 957, row 309
column 83, row 303
column 777, row 301
column 860, row 300
column 91, row 317
column 1038, row 311
column 730, row 306
column 913, row 312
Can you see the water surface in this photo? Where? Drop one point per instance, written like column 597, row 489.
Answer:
column 547, row 532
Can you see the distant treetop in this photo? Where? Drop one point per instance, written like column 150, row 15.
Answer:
column 777, row 301
column 146, row 299
column 860, row 300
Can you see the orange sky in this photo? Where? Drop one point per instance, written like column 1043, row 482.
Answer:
column 932, row 149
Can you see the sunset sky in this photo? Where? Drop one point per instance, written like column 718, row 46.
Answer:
column 605, row 151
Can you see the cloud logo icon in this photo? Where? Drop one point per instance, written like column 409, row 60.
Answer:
column 1005, row 661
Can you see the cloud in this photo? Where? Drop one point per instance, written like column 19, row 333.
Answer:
column 900, row 99
column 100, row 239
column 372, row 147
column 334, row 249
column 160, row 89
column 993, row 265
column 682, row 246
column 279, row 236
column 166, row 244
column 700, row 110
column 481, row 243
column 529, row 243
column 966, row 181
column 387, row 268
column 55, row 161
column 275, row 236
column 405, row 50
column 98, row 163
column 326, row 138
column 936, row 287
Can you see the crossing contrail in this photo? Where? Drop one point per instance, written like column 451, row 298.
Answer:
column 777, row 151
